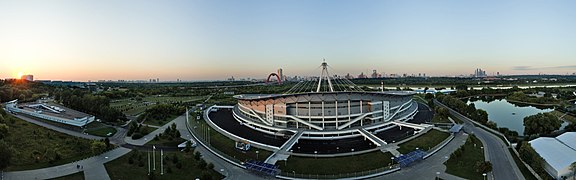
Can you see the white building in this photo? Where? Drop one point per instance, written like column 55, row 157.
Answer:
column 558, row 153
column 28, row 77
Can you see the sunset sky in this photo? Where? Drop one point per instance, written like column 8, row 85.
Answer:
column 213, row 39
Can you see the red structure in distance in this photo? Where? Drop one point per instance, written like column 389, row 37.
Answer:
column 277, row 78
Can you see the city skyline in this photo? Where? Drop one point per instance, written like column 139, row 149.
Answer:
column 214, row 40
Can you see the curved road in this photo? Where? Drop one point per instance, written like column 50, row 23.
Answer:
column 496, row 151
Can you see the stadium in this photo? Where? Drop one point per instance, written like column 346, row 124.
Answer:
column 324, row 115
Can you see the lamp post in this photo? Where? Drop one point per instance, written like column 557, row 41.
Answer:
column 257, row 155
column 484, row 174
column 437, row 175
column 315, row 154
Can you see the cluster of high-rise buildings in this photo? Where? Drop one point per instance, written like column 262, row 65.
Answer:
column 480, row 73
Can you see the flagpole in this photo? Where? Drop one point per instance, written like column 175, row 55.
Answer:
column 161, row 160
column 154, row 157
column 148, row 162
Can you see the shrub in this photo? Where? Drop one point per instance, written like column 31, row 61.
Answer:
column 137, row 135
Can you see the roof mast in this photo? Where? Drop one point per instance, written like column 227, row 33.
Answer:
column 326, row 75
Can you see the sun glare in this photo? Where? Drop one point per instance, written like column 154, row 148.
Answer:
column 19, row 74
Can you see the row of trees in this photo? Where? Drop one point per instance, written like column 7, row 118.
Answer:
column 5, row 149
column 24, row 91
column 468, row 110
column 520, row 96
column 92, row 104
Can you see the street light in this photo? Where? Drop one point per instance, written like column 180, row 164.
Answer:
column 484, row 174
column 315, row 154
column 257, row 155
column 437, row 175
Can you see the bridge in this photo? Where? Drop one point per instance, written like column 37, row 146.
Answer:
column 379, row 142
column 282, row 153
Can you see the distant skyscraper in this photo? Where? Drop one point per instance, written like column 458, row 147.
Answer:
column 375, row 74
column 281, row 74
column 28, row 77
column 348, row 76
column 479, row 73
column 362, row 76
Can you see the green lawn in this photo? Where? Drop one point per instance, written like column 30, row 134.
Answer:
column 164, row 141
column 160, row 122
column 438, row 119
column 145, row 130
column 463, row 165
column 75, row 176
column 122, row 169
column 569, row 118
column 39, row 147
column 133, row 107
column 424, row 142
column 338, row 165
column 102, row 132
column 226, row 145
column 458, row 121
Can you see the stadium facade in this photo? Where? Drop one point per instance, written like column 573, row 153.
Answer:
column 329, row 108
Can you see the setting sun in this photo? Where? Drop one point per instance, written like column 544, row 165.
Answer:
column 19, row 74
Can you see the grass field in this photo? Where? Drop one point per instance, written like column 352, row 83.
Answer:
column 458, row 121
column 158, row 122
column 569, row 118
column 102, row 132
column 438, row 119
column 337, row 165
column 122, row 169
column 226, row 145
column 75, row 176
column 39, row 147
column 133, row 107
column 463, row 165
column 166, row 142
column 424, row 142
column 145, row 130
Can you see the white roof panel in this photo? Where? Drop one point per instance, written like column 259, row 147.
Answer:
column 557, row 154
column 568, row 138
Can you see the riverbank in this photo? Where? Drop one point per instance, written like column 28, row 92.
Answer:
column 531, row 103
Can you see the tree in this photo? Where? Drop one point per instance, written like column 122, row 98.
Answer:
column 107, row 142
column 5, row 154
column 541, row 123
column 3, row 131
column 188, row 146
column 428, row 96
column 98, row 147
column 462, row 87
column 197, row 155
column 573, row 168
column 483, row 167
column 202, row 164
column 210, row 166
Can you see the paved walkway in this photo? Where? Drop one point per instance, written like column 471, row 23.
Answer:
column 93, row 168
column 229, row 170
column 427, row 168
column 495, row 150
